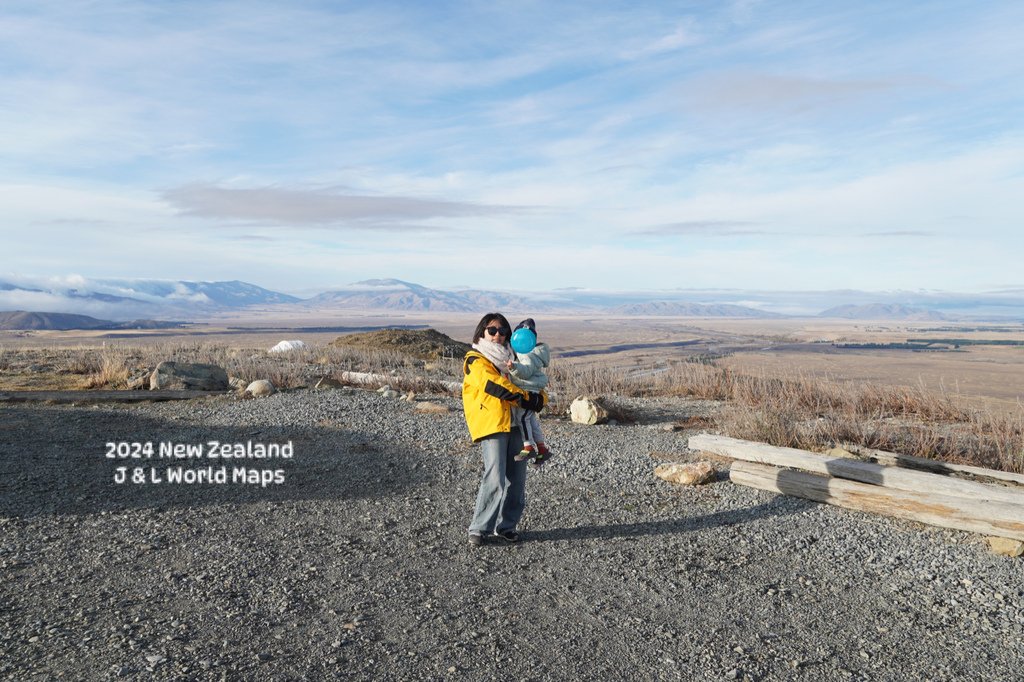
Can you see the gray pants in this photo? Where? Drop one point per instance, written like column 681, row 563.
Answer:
column 529, row 425
column 502, row 497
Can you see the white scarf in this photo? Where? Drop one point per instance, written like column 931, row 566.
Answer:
column 498, row 354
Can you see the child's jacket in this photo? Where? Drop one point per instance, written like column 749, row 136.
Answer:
column 528, row 370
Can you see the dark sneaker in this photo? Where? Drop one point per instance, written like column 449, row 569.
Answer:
column 476, row 539
column 507, row 535
column 526, row 453
column 541, row 459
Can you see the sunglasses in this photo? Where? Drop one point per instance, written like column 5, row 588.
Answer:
column 494, row 331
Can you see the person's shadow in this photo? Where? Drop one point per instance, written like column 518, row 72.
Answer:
column 779, row 506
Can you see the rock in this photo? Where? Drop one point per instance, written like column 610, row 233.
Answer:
column 188, row 376
column 286, row 346
column 390, row 394
column 427, row 407
column 140, row 382
column 237, row 383
column 1005, row 546
column 260, row 388
column 410, row 397
column 586, row 410
column 328, row 382
column 696, row 473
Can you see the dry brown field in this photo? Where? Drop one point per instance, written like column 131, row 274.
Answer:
column 988, row 376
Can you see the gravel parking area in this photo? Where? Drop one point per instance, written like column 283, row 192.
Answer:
column 356, row 565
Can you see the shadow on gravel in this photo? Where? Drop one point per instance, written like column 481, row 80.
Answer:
column 776, row 507
column 53, row 461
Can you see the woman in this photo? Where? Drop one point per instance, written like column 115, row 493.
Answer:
column 487, row 399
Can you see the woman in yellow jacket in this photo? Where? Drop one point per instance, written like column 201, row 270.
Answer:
column 487, row 399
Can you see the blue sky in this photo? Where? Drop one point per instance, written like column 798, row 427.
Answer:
column 516, row 145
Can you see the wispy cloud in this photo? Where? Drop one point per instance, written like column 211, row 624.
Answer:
column 710, row 228
column 900, row 233
column 683, row 35
column 318, row 207
column 741, row 90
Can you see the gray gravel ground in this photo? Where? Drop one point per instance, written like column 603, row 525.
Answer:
column 357, row 566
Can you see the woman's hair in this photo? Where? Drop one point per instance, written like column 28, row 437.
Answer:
column 485, row 322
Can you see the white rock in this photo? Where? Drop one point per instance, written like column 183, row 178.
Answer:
column 260, row 387
column 390, row 394
column 586, row 410
column 286, row 346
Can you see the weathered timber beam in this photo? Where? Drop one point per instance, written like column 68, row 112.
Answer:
column 856, row 470
column 989, row 518
column 932, row 465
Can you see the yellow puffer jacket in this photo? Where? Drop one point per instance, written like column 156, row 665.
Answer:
column 487, row 397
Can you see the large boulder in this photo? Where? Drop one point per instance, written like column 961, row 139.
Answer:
column 188, row 376
column 586, row 410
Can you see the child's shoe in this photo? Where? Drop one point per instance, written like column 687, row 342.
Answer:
column 526, row 453
column 543, row 455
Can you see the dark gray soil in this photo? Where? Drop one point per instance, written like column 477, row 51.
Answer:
column 357, row 564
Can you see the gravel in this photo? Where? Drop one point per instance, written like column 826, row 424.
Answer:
column 357, row 565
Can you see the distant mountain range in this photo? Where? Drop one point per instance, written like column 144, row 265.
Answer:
column 20, row 319
column 121, row 300
column 883, row 311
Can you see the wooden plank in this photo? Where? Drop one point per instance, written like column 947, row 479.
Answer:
column 934, row 466
column 977, row 516
column 855, row 470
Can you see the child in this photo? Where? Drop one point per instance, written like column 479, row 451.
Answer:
column 527, row 372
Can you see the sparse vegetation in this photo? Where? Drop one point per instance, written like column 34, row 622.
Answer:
column 815, row 413
column 805, row 412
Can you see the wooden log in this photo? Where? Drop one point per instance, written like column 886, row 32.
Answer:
column 856, row 470
column 990, row 518
column 931, row 465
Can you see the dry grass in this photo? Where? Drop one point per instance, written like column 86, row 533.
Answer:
column 815, row 413
column 804, row 412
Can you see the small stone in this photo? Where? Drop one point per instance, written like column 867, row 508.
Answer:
column 264, row 656
column 155, row 659
column 1005, row 546
column 260, row 388
column 696, row 473
column 389, row 394
column 452, row 669
column 427, row 407
column 732, row 674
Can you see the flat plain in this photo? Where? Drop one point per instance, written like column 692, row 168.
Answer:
column 986, row 376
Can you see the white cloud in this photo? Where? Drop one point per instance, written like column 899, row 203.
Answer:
column 279, row 206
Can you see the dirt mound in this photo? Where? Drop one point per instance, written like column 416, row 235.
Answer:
column 428, row 344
